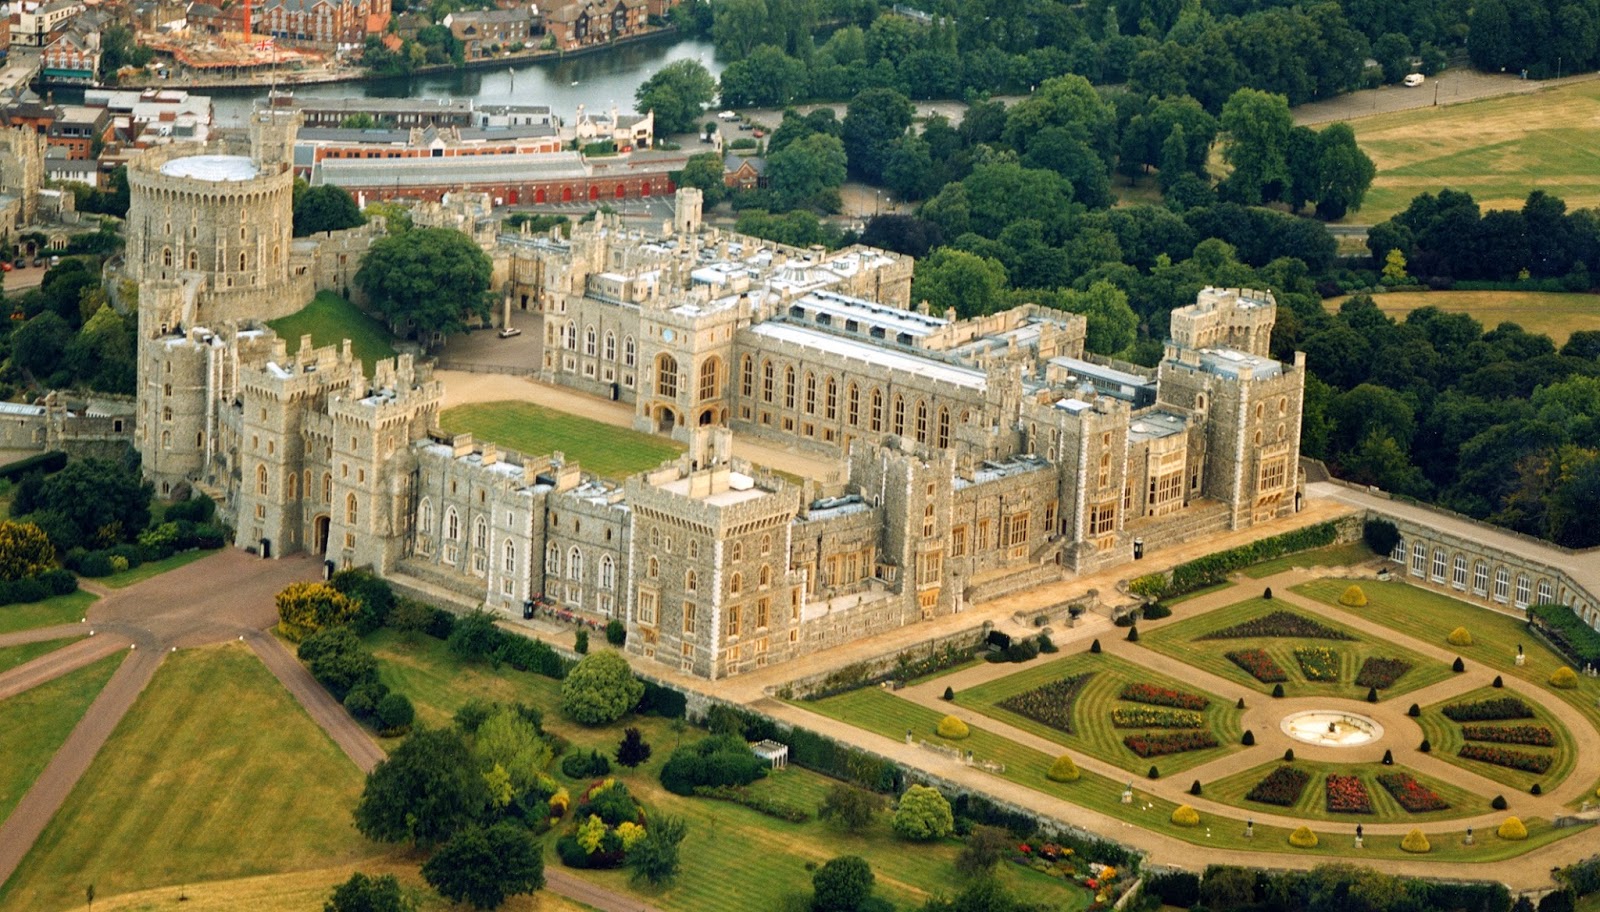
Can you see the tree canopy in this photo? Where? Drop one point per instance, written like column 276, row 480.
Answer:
column 430, row 280
column 485, row 866
column 426, row 790
column 600, row 689
column 325, row 208
column 677, row 93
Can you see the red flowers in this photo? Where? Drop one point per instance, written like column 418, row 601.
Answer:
column 1381, row 673
column 1510, row 759
column 1282, row 787
column 1411, row 794
column 1531, row 735
column 1163, row 696
column 1050, row 704
column 1347, row 795
column 1157, row 744
column 1279, row 624
column 1259, row 665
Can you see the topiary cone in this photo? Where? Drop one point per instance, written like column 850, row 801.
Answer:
column 1154, row 773
column 1459, row 666
column 1353, row 597
column 1415, row 842
column 1249, row 738
column 1372, row 694
column 1185, row 816
column 1303, row 838
column 1095, row 647
column 1133, row 634
column 952, row 728
column 1063, row 770
column 1459, row 637
column 1194, row 788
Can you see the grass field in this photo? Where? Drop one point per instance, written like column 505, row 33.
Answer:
column 1313, row 803
column 22, row 654
column 1498, row 149
column 214, row 773
column 610, row 452
column 1552, row 314
column 773, row 854
column 1094, row 734
column 36, row 722
column 1181, row 641
column 329, row 319
column 153, row 568
column 1445, row 736
column 57, row 609
column 883, row 713
column 1332, row 556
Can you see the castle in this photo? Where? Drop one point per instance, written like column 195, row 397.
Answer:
column 976, row 457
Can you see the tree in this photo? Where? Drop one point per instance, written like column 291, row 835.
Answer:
column 474, row 636
column 426, row 790
column 97, row 502
column 654, row 859
column 24, row 550
column 843, row 884
column 1393, row 53
column 1394, row 268
column 430, row 279
column 850, row 807
column 325, row 208
column 1343, row 172
column 633, row 750
column 39, row 344
column 600, row 689
column 807, row 172
column 923, row 814
column 508, row 739
column 1257, row 126
column 704, row 172
column 362, row 893
column 372, row 596
column 396, row 217
column 984, row 848
column 974, row 285
column 677, row 93
column 483, row 867
column 394, row 713
column 766, row 78
column 339, row 661
column 1112, row 323
column 872, row 122
column 305, row 608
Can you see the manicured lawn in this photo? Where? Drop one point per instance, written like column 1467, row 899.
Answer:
column 214, row 773
column 883, row 713
column 1446, row 740
column 154, row 568
column 57, row 609
column 1181, row 642
column 772, row 854
column 1313, row 803
column 1332, row 556
column 330, row 319
column 34, row 723
column 1093, row 733
column 22, row 654
column 610, row 452
column 1550, row 313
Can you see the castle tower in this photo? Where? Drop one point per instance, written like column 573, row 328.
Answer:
column 272, row 134
column 686, row 216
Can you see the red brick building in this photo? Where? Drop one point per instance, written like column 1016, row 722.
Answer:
column 324, row 25
column 578, row 25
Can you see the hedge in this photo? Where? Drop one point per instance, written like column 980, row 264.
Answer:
column 44, row 463
column 1214, row 568
column 1567, row 631
column 37, row 588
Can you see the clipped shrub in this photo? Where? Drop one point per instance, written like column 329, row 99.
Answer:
column 1459, row 666
column 1153, row 774
column 1415, row 842
column 1277, row 690
column 394, row 713
column 953, row 728
column 923, row 814
column 1303, row 838
column 1240, row 704
column 1498, row 682
column 1388, row 758
column 1564, row 678
column 949, row 693
column 1094, row 648
column 1426, row 746
column 1512, row 829
column 1194, row 787
column 1459, row 637
column 1288, row 755
column 1185, row 816
column 1499, row 803
column 1372, row 694
column 1063, row 770
column 1266, row 594
column 580, row 643
column 1536, row 790
column 1414, row 711
column 1353, row 597
column 1249, row 739
column 1133, row 634
column 1156, row 611
column 616, row 632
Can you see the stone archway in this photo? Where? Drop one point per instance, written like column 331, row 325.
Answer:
column 319, row 535
column 666, row 419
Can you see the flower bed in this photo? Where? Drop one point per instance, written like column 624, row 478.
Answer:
column 1051, row 704
column 1155, row 717
column 1381, row 673
column 1155, row 745
column 1347, row 795
column 1282, row 787
column 1411, row 794
column 1163, row 696
column 1530, row 735
column 1318, row 663
column 1490, row 710
column 1259, row 665
column 1510, row 759
column 1279, row 624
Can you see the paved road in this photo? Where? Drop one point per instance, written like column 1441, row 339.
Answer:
column 319, row 704
column 54, row 664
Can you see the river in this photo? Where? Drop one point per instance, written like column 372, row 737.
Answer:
column 597, row 81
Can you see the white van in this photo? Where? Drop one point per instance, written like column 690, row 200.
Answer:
column 1414, row 80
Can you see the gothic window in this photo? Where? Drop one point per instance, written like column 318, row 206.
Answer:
column 765, row 578
column 737, row 551
column 747, row 376
column 261, row 480
column 327, row 488
column 608, row 572
column 569, row 336
column 690, row 581
column 899, row 426
column 853, row 405
column 588, row 341
column 627, row 350
column 766, row 545
column 575, row 564
column 293, row 491
column 830, row 399
column 766, row 381
column 944, row 428
column 653, row 569
column 611, row 345
column 241, row 262
column 552, row 560
column 425, row 516
column 708, row 379
column 350, row 511
column 452, row 524
column 194, row 259
column 788, row 387
column 877, row 410
column 480, row 533
column 166, row 256
column 509, row 557
column 811, row 393
column 736, row 584
column 922, row 421
column 667, row 377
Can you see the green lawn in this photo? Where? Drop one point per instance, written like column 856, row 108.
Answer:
column 610, row 452
column 1313, row 803
column 23, row 653
column 1445, row 739
column 329, row 319
column 1094, row 734
column 214, row 773
column 1554, row 314
column 773, row 854
column 1332, row 556
column 35, row 723
column 57, row 609
column 1181, row 642
column 153, row 568
column 883, row 713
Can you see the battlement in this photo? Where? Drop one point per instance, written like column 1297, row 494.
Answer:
column 1238, row 318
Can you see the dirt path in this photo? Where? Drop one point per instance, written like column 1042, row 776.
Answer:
column 317, row 702
column 54, row 664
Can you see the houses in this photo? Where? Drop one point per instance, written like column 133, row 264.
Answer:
column 577, row 25
column 77, row 132
column 489, row 32
column 741, row 172
column 38, row 24
column 152, row 117
column 325, row 25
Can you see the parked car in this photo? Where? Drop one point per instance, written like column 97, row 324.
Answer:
column 510, row 331
column 1414, row 80
column 758, row 134
column 55, row 261
column 747, row 126
column 728, row 115
column 39, row 260
column 21, row 263
column 5, row 266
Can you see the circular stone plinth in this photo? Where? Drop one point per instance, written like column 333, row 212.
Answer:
column 1331, row 728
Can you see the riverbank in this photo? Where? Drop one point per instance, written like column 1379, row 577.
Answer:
column 337, row 74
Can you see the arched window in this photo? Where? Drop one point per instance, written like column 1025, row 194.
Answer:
column 830, row 399
column 736, row 584
column 627, row 351
column 666, row 376
column 876, row 422
column 509, row 557
column 708, row 378
column 788, row 387
column 194, row 259
column 261, row 480
column 569, row 336
column 574, row 564
column 350, row 510
column 608, row 572
column 737, row 551
column 293, row 487
column 766, row 545
column 552, row 560
column 811, row 393
column 922, row 421
column 327, row 488
column 589, row 340
column 611, row 345
column 747, row 376
column 766, row 575
column 899, row 425
column 425, row 516
column 480, row 533
column 853, row 405
column 653, row 569
column 690, row 581
column 452, row 524
column 166, row 256
column 944, row 428
column 766, row 381
column 1480, row 578
column 241, row 261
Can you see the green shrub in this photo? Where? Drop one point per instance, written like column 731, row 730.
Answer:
column 923, row 814
column 1568, row 631
column 394, row 713
column 720, row 760
column 579, row 765
column 616, row 633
